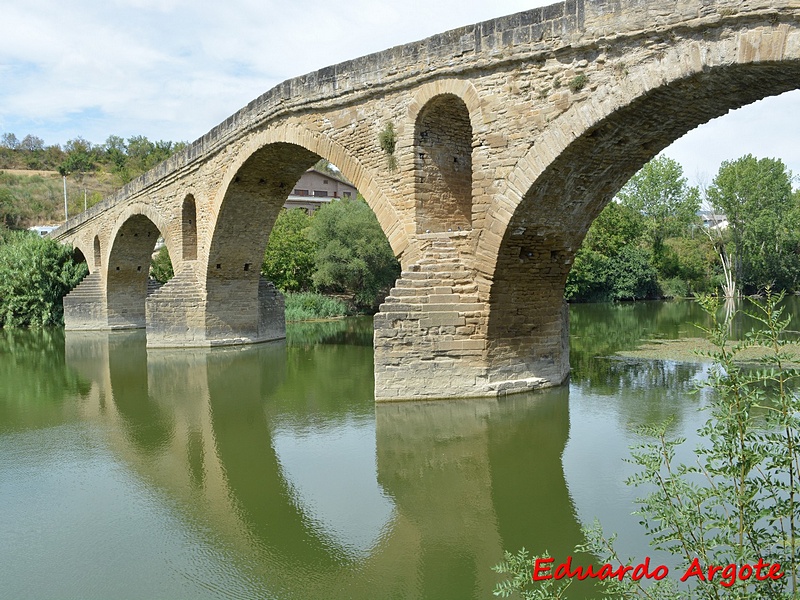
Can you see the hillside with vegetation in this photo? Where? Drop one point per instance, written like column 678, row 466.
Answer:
column 31, row 182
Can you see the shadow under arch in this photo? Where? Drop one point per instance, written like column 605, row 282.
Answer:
column 189, row 228
column 528, row 319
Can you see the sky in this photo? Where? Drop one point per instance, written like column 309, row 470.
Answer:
column 173, row 69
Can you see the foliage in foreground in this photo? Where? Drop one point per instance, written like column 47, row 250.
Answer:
column 739, row 504
column 35, row 274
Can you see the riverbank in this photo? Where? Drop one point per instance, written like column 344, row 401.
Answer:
column 696, row 350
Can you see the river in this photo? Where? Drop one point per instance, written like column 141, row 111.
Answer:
column 269, row 472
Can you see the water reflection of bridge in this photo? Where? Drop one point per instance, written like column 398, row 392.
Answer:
column 234, row 435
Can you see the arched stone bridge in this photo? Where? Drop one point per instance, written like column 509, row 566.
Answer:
column 509, row 138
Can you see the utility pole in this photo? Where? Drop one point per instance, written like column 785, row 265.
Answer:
column 66, row 215
column 63, row 171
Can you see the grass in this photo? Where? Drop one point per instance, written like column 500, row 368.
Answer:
column 693, row 350
column 310, row 306
column 37, row 197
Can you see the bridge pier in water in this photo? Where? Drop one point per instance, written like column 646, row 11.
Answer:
column 436, row 338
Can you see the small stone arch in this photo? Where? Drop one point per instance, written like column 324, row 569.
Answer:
column 189, row 228
column 128, row 266
column 98, row 260
column 443, row 165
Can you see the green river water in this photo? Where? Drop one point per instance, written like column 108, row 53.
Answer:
column 269, row 472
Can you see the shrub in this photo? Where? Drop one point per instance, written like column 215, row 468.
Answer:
column 740, row 502
column 161, row 266
column 35, row 274
column 307, row 306
column 353, row 256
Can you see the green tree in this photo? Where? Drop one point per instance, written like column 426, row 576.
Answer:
column 353, row 256
column 763, row 218
column 35, row 274
column 161, row 266
column 668, row 205
column 81, row 157
column 610, row 265
column 289, row 257
column 10, row 141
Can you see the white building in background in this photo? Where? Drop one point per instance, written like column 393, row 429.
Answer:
column 316, row 188
column 712, row 220
column 43, row 230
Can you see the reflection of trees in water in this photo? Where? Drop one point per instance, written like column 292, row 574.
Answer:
column 604, row 329
column 353, row 331
column 34, row 380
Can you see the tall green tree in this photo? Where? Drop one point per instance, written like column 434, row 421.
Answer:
column 289, row 257
column 668, row 205
column 763, row 219
column 611, row 264
column 353, row 255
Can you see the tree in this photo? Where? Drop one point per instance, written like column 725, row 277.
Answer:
column 35, row 274
column 289, row 257
column 610, row 265
column 660, row 193
column 353, row 255
column 31, row 143
column 80, row 158
column 10, row 141
column 161, row 266
column 116, row 152
column 763, row 217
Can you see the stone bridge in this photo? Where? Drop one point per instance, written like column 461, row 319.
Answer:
column 485, row 152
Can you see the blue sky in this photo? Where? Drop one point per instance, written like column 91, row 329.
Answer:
column 173, row 69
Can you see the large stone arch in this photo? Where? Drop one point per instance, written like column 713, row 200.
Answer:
column 127, row 264
column 332, row 151
column 238, row 299
column 240, row 305
column 535, row 227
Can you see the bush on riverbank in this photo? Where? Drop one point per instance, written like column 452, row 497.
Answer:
column 308, row 306
column 340, row 250
column 35, row 274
